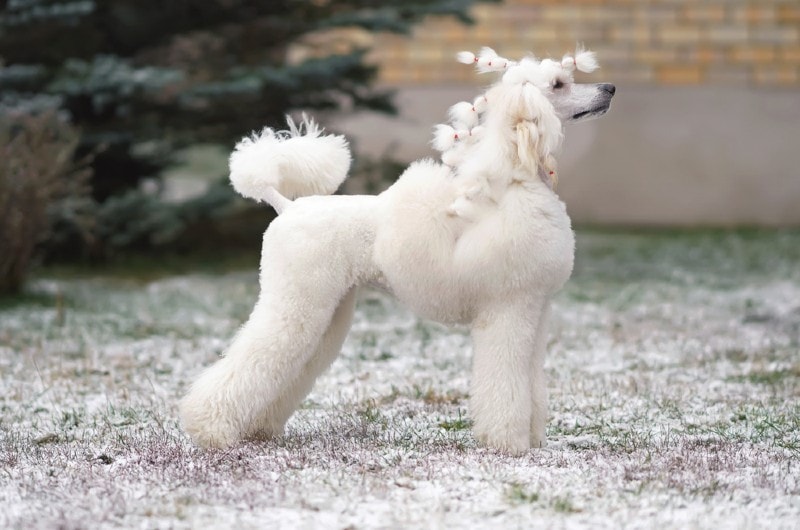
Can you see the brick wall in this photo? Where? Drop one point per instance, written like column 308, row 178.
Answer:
column 688, row 42
column 721, row 151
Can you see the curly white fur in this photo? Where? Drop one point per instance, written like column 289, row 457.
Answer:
column 480, row 239
column 295, row 163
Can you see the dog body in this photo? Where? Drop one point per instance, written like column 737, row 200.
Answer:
column 482, row 241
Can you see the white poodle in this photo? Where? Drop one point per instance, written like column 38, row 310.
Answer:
column 479, row 239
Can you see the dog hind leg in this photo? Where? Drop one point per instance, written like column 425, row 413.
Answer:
column 267, row 354
column 272, row 421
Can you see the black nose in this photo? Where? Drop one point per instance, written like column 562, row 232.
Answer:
column 608, row 87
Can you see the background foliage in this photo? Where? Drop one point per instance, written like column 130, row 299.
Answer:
column 39, row 182
column 141, row 79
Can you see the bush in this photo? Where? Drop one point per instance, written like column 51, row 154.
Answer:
column 38, row 181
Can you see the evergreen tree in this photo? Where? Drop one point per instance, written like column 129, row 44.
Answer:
column 141, row 78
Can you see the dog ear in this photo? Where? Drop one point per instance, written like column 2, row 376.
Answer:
column 528, row 145
column 538, row 130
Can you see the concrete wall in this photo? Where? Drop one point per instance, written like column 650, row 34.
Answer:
column 679, row 156
column 705, row 127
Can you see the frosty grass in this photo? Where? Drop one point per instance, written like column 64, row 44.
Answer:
column 674, row 369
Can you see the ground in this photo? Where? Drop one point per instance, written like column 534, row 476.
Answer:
column 674, row 369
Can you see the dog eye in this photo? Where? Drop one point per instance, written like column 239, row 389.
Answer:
column 558, row 84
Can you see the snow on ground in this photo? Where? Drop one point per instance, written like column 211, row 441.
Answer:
column 674, row 376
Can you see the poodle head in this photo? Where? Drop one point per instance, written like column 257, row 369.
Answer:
column 519, row 119
column 554, row 80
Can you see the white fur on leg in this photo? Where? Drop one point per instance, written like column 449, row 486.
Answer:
column 272, row 421
column 504, row 339
column 268, row 353
column 539, row 408
column 304, row 278
column 202, row 410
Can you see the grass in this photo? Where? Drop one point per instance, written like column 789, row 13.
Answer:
column 674, row 386
column 770, row 377
column 564, row 505
column 518, row 494
column 459, row 423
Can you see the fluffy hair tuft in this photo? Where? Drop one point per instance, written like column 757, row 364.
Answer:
column 295, row 162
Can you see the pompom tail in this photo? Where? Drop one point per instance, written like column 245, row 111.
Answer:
column 296, row 162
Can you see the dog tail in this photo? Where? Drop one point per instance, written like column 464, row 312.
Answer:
column 277, row 166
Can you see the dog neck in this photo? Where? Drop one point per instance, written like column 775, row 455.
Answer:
column 548, row 177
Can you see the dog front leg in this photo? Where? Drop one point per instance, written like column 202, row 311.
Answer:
column 504, row 339
column 539, row 408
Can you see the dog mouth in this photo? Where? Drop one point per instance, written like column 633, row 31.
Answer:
column 591, row 113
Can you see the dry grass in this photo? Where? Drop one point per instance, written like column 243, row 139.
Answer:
column 674, row 388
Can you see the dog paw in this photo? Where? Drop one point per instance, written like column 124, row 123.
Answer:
column 211, row 438
column 207, row 430
column 511, row 443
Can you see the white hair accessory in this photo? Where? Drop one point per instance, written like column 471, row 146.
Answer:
column 584, row 61
column 466, row 57
column 479, row 103
column 486, row 61
column 444, row 137
column 463, row 114
column 476, row 132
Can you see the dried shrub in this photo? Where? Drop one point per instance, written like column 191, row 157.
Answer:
column 37, row 175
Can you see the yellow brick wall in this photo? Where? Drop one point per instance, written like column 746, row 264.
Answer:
column 687, row 42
